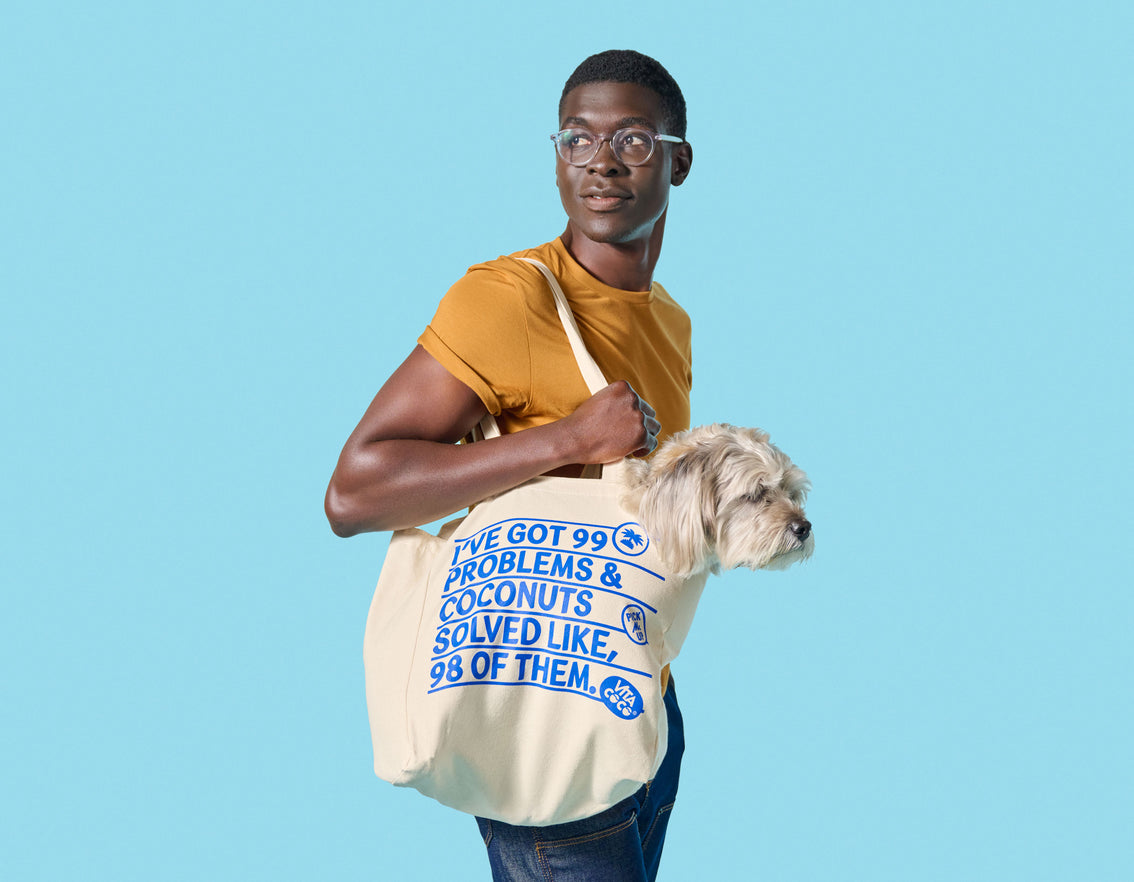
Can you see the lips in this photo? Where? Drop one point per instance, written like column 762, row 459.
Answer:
column 604, row 200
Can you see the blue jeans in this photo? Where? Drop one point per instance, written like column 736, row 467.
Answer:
column 621, row 844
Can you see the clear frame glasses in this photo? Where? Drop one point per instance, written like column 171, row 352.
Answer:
column 632, row 146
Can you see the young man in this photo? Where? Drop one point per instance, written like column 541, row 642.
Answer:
column 496, row 345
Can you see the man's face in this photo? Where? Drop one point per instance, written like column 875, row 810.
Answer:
column 605, row 200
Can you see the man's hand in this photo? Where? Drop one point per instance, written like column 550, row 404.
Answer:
column 613, row 423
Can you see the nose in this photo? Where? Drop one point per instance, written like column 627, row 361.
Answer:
column 801, row 529
column 604, row 159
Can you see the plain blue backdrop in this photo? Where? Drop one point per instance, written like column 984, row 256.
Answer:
column 906, row 248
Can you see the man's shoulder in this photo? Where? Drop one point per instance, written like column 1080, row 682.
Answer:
column 661, row 294
column 515, row 265
column 506, row 278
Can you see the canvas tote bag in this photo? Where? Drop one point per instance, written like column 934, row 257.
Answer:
column 513, row 661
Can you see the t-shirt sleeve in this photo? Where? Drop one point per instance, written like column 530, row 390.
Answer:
column 479, row 334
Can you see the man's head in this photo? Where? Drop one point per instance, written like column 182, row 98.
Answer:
column 628, row 66
column 612, row 196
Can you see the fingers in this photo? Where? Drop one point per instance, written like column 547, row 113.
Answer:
column 614, row 423
column 652, row 428
column 650, row 425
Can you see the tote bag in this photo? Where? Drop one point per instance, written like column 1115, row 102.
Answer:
column 513, row 660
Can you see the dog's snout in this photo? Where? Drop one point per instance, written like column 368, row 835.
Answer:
column 801, row 529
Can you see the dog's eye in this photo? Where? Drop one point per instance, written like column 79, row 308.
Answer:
column 756, row 495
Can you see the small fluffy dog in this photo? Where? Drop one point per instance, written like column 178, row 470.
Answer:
column 721, row 496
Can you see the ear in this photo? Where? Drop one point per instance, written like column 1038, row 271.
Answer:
column 634, row 472
column 678, row 510
column 682, row 163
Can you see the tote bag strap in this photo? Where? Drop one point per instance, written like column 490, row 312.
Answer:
column 595, row 381
column 592, row 375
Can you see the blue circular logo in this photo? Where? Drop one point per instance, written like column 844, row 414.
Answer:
column 631, row 539
column 634, row 623
column 621, row 697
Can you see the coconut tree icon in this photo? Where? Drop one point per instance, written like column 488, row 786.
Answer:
column 631, row 539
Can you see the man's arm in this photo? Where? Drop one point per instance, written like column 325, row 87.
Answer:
column 401, row 466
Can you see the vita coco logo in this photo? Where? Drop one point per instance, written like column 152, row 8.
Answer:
column 621, row 697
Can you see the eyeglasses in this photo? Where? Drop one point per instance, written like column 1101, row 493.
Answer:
column 630, row 146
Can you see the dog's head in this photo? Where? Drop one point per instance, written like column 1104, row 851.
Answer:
column 721, row 496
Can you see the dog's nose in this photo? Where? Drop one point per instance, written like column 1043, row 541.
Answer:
column 800, row 529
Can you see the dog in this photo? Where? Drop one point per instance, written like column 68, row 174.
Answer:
column 721, row 496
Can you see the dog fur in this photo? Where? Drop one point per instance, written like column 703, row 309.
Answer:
column 721, row 496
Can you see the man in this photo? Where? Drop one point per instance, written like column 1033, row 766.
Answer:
column 496, row 345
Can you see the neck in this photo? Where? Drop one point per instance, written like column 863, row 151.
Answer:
column 628, row 266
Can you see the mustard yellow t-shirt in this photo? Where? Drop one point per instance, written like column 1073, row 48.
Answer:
column 498, row 332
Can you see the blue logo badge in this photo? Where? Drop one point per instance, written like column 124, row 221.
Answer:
column 634, row 623
column 631, row 539
column 621, row 697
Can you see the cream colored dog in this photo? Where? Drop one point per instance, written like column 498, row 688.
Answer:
column 721, row 496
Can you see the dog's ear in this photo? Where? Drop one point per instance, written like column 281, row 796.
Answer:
column 677, row 506
column 634, row 472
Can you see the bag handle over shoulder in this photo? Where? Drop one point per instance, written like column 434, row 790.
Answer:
column 592, row 375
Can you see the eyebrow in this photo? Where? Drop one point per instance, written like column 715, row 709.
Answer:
column 621, row 124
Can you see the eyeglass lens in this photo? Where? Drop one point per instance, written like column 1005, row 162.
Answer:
column 631, row 146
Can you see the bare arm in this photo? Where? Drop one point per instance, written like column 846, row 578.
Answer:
column 401, row 465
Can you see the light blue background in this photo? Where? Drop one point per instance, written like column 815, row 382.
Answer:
column 906, row 249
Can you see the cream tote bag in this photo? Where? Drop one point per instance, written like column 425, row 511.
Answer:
column 513, row 661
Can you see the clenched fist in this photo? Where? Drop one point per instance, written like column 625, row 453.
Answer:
column 613, row 423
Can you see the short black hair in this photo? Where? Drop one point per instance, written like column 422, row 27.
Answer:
column 628, row 66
